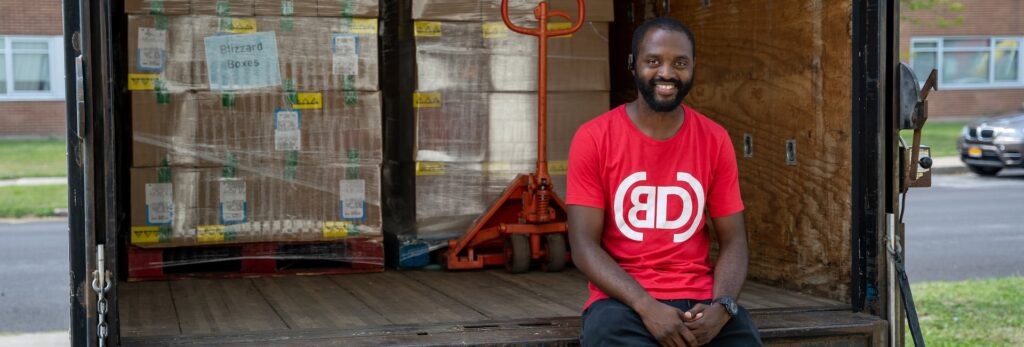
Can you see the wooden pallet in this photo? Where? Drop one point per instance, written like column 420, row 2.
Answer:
column 257, row 259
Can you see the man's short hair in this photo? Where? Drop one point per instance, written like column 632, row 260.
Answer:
column 666, row 23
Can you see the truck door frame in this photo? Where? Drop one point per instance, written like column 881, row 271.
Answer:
column 95, row 198
column 96, row 202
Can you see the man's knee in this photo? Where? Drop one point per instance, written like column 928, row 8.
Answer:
column 609, row 322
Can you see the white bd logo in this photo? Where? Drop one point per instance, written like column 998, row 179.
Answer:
column 653, row 201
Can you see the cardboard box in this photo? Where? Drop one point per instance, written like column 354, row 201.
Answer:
column 450, row 126
column 262, row 129
column 286, row 8
column 522, row 10
column 287, row 207
column 348, row 8
column 175, row 202
column 451, row 56
column 165, row 128
column 451, row 196
column 312, row 203
column 162, row 49
column 575, row 63
column 447, row 10
column 499, row 127
column 223, row 7
column 166, row 7
column 204, row 129
column 313, row 53
column 519, row 10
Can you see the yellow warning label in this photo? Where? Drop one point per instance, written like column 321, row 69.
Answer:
column 210, row 233
column 336, row 229
column 558, row 167
column 560, row 26
column 426, row 100
column 241, row 25
column 429, row 168
column 138, row 81
column 364, row 26
column 309, row 101
column 149, row 234
column 427, row 29
column 494, row 30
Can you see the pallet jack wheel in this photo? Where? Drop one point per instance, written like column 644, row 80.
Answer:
column 517, row 253
column 554, row 260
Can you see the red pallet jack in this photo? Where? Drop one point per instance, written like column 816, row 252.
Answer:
column 528, row 221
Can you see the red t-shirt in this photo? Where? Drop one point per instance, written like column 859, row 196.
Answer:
column 654, row 193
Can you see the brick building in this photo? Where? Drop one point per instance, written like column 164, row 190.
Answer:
column 31, row 68
column 979, row 60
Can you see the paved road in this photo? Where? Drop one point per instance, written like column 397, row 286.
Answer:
column 966, row 227
column 34, row 277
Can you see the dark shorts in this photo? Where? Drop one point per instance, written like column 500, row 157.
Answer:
column 609, row 322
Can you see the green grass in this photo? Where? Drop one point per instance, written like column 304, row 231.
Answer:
column 971, row 313
column 33, row 158
column 941, row 136
column 32, row 201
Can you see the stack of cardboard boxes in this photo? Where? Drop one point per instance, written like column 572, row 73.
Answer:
column 475, row 103
column 254, row 121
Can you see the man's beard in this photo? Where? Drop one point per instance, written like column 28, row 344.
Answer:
column 647, row 91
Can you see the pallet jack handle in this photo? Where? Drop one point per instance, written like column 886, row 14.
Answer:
column 543, row 13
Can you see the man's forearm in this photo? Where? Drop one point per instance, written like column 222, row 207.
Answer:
column 731, row 270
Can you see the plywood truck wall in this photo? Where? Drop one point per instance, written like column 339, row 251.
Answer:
column 781, row 70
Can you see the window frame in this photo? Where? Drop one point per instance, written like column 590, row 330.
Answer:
column 55, row 56
column 940, row 50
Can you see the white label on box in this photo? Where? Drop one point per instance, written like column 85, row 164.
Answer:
column 353, row 196
column 150, row 59
column 287, row 133
column 159, row 203
column 345, row 65
column 232, row 212
column 152, row 47
column 232, row 190
column 232, row 201
column 243, row 61
column 152, row 38
column 345, row 44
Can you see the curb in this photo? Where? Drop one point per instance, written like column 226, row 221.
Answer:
column 34, row 181
column 949, row 165
column 951, row 170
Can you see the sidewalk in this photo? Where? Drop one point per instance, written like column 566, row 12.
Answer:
column 38, row 181
column 55, row 339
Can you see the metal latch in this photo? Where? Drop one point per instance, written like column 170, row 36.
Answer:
column 79, row 98
column 913, row 115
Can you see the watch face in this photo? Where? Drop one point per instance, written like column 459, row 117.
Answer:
column 730, row 306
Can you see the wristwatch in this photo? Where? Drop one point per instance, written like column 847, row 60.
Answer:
column 729, row 304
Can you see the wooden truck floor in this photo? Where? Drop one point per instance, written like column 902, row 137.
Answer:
column 437, row 307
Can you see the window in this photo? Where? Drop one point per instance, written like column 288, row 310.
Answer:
column 31, row 68
column 968, row 62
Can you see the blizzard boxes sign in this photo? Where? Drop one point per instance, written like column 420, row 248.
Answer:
column 244, row 61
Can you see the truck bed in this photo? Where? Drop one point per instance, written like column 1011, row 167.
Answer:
column 380, row 307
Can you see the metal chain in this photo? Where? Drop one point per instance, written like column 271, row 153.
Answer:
column 101, row 305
